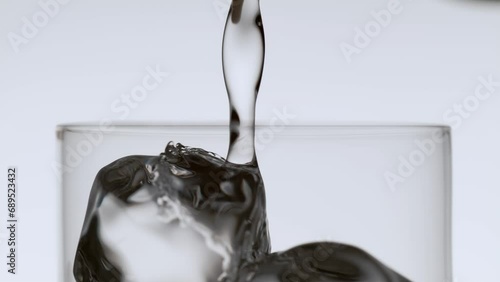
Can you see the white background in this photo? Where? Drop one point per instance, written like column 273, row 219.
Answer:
column 427, row 59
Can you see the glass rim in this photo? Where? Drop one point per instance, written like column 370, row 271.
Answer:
column 219, row 129
column 76, row 127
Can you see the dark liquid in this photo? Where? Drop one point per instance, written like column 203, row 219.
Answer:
column 225, row 204
column 221, row 201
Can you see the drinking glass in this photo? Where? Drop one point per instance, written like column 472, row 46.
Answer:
column 385, row 189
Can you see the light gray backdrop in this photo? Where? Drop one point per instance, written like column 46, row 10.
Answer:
column 71, row 61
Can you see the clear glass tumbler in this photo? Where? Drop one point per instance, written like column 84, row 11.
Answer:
column 384, row 189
